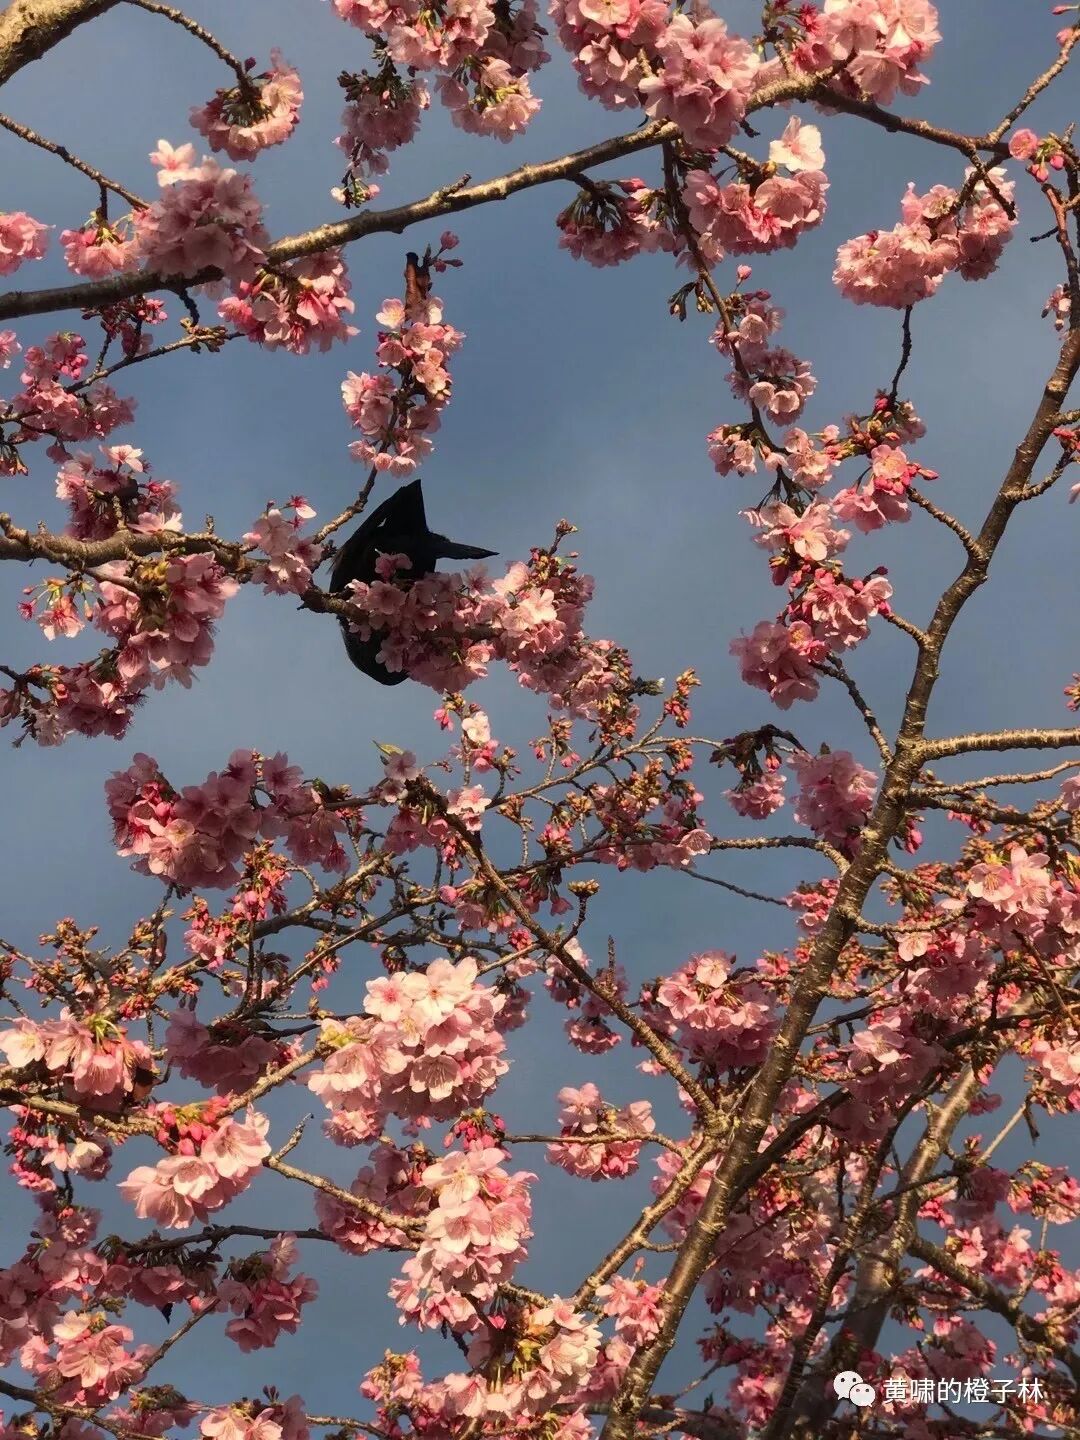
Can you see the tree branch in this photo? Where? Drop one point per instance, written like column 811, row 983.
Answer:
column 63, row 153
column 170, row 12
column 890, row 808
column 1037, row 1331
column 1000, row 740
column 30, row 28
column 451, row 199
column 446, row 201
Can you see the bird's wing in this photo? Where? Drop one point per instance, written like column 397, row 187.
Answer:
column 363, row 654
column 409, row 517
column 407, row 501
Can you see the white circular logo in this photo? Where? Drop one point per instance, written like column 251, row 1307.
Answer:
column 849, row 1385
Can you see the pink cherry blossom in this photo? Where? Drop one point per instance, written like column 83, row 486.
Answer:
column 251, row 117
column 206, row 218
column 291, row 556
column 835, row 794
column 583, row 1114
column 799, row 148
column 21, row 239
column 779, row 659
column 299, row 305
column 705, row 82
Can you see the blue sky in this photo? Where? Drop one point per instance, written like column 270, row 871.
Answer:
column 575, row 395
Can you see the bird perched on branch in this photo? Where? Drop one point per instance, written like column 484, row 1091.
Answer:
column 396, row 527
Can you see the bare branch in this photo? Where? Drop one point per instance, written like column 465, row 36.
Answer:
column 63, row 153
column 836, row 668
column 735, row 889
column 353, row 1202
column 177, row 16
column 943, row 518
column 984, row 782
column 1001, row 740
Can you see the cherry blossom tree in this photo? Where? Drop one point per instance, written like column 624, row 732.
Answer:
column 821, row 1192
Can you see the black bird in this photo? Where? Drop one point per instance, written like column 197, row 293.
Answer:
column 396, row 527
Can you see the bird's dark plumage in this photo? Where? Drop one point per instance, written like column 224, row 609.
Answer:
column 396, row 527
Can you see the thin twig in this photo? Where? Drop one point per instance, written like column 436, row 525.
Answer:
column 63, row 153
column 170, row 12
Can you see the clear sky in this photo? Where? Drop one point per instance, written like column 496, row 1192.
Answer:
column 575, row 395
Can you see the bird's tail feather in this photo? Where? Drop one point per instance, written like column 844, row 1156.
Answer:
column 451, row 550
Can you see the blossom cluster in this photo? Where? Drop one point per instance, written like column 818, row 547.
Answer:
column 257, row 113
column 444, row 629
column 92, row 1059
column 213, row 1161
column 224, row 1055
column 762, row 210
column 767, row 377
column 290, row 556
column 481, row 54
column 613, row 221
column 688, row 68
column 584, row 1116
column 265, row 1298
column 427, row 1046
column 159, row 612
column 22, row 238
column 294, row 306
column 206, row 218
column 941, row 231
column 196, row 836
column 827, row 612
column 56, row 403
column 398, row 410
column 473, row 1238
column 717, row 1017
column 100, row 248
column 383, row 113
column 836, row 794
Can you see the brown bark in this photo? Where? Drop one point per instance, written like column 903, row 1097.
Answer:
column 30, row 28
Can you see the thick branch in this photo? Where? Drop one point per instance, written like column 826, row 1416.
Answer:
column 1001, row 740
column 451, row 199
column 30, row 28
column 878, row 1275
column 873, row 1294
column 73, row 554
column 446, row 201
